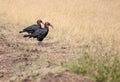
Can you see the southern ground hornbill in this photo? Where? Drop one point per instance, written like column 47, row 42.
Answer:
column 40, row 34
column 31, row 29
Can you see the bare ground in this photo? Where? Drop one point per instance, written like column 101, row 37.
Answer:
column 23, row 60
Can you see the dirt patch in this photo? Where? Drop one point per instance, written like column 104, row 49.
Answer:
column 65, row 77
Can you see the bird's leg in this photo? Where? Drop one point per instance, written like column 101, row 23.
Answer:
column 39, row 43
column 26, row 35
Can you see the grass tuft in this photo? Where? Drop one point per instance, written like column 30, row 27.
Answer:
column 21, row 66
column 106, row 69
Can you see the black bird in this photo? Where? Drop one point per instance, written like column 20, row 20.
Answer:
column 40, row 34
column 33, row 28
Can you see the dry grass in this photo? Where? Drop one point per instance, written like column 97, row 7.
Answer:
column 84, row 26
column 78, row 19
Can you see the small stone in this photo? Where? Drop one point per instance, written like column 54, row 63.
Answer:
column 1, row 74
column 12, row 79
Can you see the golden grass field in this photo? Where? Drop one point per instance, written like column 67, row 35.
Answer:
column 80, row 26
column 76, row 19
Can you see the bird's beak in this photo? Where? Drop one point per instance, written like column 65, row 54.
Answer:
column 42, row 22
column 52, row 26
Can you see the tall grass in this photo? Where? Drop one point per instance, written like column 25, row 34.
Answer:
column 106, row 69
column 78, row 19
column 98, row 62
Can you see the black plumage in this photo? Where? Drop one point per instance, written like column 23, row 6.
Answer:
column 40, row 34
column 31, row 29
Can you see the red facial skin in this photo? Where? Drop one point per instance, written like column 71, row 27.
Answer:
column 39, row 21
column 47, row 24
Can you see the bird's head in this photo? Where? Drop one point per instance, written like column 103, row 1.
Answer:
column 39, row 21
column 47, row 24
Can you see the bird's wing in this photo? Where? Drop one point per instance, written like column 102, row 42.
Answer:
column 39, row 32
column 32, row 27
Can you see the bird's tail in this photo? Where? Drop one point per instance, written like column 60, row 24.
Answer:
column 20, row 31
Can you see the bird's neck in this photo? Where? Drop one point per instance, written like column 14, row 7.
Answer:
column 46, row 26
column 39, row 25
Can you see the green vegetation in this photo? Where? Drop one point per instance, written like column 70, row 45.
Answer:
column 21, row 66
column 103, row 69
column 2, row 37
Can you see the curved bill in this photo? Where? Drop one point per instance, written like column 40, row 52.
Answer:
column 52, row 26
